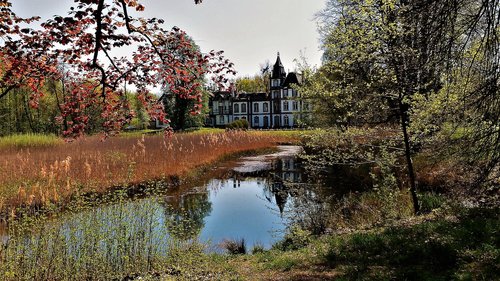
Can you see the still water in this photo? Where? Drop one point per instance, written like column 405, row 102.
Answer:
column 246, row 199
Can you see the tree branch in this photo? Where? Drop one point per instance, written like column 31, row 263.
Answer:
column 6, row 91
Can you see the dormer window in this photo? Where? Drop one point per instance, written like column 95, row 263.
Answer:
column 275, row 83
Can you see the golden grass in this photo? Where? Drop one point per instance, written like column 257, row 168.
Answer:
column 39, row 176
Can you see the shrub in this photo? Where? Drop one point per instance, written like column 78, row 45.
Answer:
column 235, row 247
column 258, row 248
column 430, row 201
column 241, row 124
column 295, row 239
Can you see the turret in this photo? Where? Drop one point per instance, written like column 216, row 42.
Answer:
column 278, row 75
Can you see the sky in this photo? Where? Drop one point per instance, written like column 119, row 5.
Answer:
column 249, row 31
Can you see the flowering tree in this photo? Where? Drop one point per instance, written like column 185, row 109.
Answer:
column 84, row 40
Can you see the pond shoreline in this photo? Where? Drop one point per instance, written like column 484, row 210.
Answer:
column 134, row 191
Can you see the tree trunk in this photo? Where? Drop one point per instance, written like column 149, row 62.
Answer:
column 180, row 111
column 411, row 173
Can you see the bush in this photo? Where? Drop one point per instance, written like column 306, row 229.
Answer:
column 241, row 124
column 296, row 238
column 430, row 201
column 235, row 247
column 258, row 248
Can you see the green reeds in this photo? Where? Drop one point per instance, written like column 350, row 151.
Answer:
column 29, row 141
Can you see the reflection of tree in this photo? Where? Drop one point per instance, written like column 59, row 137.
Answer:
column 184, row 215
column 311, row 207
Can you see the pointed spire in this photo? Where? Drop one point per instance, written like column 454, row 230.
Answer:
column 278, row 69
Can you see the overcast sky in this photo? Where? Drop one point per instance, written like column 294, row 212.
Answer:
column 249, row 31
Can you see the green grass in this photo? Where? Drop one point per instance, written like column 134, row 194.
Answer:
column 29, row 141
column 202, row 131
column 293, row 135
column 464, row 247
column 138, row 133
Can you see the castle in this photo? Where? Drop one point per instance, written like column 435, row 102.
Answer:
column 282, row 107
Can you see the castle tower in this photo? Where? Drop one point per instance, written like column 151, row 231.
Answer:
column 278, row 75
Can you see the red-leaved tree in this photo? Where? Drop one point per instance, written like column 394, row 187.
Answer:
column 84, row 41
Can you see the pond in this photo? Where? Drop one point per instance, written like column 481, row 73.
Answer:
column 245, row 199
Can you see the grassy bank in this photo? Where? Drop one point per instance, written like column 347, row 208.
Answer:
column 34, row 177
column 460, row 244
column 463, row 246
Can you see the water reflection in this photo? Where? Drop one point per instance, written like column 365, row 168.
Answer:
column 185, row 214
column 243, row 201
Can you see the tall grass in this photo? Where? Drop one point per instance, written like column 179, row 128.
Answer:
column 29, row 141
column 122, row 241
column 35, row 177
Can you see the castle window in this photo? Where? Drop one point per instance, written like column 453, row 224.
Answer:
column 243, row 108
column 276, row 94
column 295, row 105
column 265, row 107
column 256, row 121
column 275, row 83
column 290, row 92
column 285, row 106
column 236, row 108
column 266, row 121
column 255, row 107
column 286, row 120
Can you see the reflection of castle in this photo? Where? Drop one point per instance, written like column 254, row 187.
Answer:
column 284, row 171
column 288, row 169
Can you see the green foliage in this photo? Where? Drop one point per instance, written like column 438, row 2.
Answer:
column 240, row 124
column 254, row 84
column 282, row 263
column 141, row 119
column 17, row 116
column 430, row 201
column 437, row 250
column 258, row 249
column 29, row 141
column 179, row 111
column 295, row 238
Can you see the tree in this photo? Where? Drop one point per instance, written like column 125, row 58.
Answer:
column 251, row 84
column 184, row 100
column 393, row 53
column 370, row 46
column 92, row 29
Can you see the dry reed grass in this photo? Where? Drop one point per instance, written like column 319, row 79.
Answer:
column 40, row 176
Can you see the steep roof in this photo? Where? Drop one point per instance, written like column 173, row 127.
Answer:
column 278, row 69
column 292, row 78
